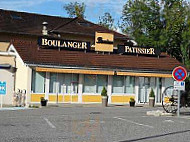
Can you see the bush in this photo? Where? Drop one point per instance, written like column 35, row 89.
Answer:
column 151, row 93
column 42, row 99
column 104, row 92
column 132, row 99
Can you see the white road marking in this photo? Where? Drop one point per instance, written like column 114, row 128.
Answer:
column 49, row 123
column 134, row 122
column 185, row 117
column 171, row 121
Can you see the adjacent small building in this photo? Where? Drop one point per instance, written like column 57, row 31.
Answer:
column 70, row 60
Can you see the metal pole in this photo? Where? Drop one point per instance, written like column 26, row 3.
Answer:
column 1, row 101
column 178, row 105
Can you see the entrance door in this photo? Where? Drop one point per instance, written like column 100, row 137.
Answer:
column 144, row 89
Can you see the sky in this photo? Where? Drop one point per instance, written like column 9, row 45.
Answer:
column 94, row 8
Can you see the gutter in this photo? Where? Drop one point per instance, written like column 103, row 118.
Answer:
column 107, row 69
column 7, row 54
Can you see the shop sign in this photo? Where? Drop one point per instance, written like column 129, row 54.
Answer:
column 60, row 43
column 104, row 42
column 138, row 50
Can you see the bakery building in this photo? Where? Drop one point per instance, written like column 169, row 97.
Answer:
column 70, row 60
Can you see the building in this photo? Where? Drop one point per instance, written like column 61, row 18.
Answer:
column 70, row 60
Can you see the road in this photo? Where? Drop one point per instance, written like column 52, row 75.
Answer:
column 76, row 123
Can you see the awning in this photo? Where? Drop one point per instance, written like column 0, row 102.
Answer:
column 145, row 74
column 78, row 71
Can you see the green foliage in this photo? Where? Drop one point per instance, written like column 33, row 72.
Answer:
column 141, row 21
column 75, row 9
column 104, row 92
column 151, row 93
column 42, row 99
column 163, row 24
column 132, row 99
column 187, row 84
column 107, row 21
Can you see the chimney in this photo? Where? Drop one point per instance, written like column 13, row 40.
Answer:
column 44, row 30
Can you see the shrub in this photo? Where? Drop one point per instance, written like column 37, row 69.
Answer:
column 132, row 99
column 151, row 93
column 104, row 92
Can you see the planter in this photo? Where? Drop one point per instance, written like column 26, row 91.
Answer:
column 151, row 101
column 44, row 103
column 132, row 104
column 104, row 101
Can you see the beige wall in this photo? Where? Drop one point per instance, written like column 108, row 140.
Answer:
column 6, row 75
column 7, row 60
column 23, row 78
column 4, row 46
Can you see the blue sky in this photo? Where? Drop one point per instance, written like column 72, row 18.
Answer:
column 94, row 8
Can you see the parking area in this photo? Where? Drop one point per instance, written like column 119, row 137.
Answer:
column 75, row 123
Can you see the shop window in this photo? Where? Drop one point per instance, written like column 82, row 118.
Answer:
column 101, row 82
column 94, row 83
column 89, row 83
column 53, row 81
column 123, row 84
column 38, row 82
column 63, row 83
column 130, row 84
column 71, row 83
column 118, row 84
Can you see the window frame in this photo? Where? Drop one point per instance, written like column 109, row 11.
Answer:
column 96, row 85
column 124, row 87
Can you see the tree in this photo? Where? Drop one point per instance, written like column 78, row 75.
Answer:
column 163, row 24
column 75, row 9
column 141, row 20
column 107, row 21
column 176, row 28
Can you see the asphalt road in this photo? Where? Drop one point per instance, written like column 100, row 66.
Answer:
column 75, row 123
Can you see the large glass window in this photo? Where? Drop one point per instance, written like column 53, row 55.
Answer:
column 94, row 83
column 118, row 84
column 101, row 82
column 63, row 83
column 130, row 84
column 90, row 83
column 123, row 84
column 38, row 82
column 53, row 81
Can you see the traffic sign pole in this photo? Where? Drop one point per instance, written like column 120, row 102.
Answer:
column 178, row 104
column 179, row 74
column 1, row 101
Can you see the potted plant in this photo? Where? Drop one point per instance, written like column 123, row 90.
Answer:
column 104, row 97
column 132, row 102
column 43, row 101
column 151, row 98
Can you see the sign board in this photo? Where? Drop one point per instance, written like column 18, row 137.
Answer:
column 179, row 73
column 179, row 85
column 2, row 88
column 138, row 50
column 48, row 42
column 104, row 42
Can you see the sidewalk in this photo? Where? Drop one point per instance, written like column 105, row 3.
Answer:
column 13, row 108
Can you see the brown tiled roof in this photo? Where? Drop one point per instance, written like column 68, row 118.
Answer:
column 28, row 23
column 32, row 54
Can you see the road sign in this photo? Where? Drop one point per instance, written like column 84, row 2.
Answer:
column 179, row 73
column 179, row 85
column 2, row 88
